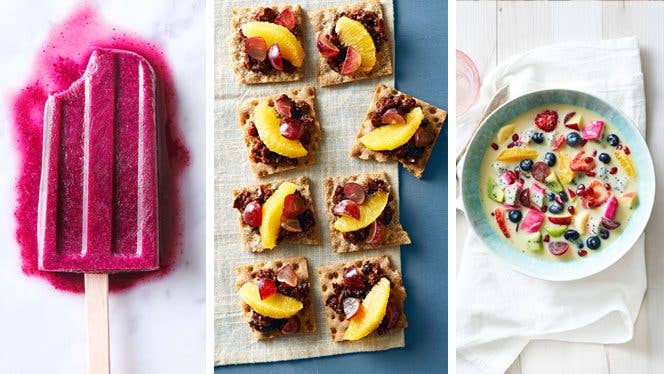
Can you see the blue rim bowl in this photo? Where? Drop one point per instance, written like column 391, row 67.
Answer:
column 542, row 268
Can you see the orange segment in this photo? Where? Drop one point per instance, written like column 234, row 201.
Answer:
column 352, row 33
column 389, row 137
column 371, row 313
column 272, row 210
column 267, row 123
column 516, row 154
column 625, row 162
column 276, row 306
column 290, row 47
column 370, row 210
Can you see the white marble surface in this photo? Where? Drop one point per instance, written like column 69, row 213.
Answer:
column 156, row 327
column 492, row 31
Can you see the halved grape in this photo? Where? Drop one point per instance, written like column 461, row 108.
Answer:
column 291, row 129
column 347, row 208
column 253, row 214
column 355, row 192
column 274, row 54
column 423, row 137
column 287, row 275
column 376, row 233
column 392, row 116
column 266, row 287
column 256, row 47
column 291, row 225
column 352, row 62
column 291, row 326
column 294, row 205
column 284, row 106
column 326, row 48
column 354, row 279
column 286, row 19
column 351, row 306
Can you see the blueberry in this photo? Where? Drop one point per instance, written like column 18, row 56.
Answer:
column 605, row 158
column 514, row 215
column 571, row 235
column 604, row 234
column 593, row 242
column 526, row 164
column 551, row 196
column 550, row 158
column 613, row 140
column 579, row 245
column 538, row 137
column 563, row 196
column 573, row 139
column 555, row 207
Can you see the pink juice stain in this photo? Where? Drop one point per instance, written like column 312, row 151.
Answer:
column 61, row 61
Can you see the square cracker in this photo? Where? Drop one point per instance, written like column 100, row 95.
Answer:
column 331, row 274
column 251, row 239
column 247, row 273
column 246, row 111
column 394, row 233
column 240, row 16
column 324, row 21
column 434, row 115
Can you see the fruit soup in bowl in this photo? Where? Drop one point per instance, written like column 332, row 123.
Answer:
column 558, row 183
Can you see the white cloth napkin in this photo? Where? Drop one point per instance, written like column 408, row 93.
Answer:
column 500, row 310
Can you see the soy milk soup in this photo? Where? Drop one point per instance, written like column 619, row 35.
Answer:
column 558, row 183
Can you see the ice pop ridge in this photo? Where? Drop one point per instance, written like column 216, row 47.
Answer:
column 98, row 195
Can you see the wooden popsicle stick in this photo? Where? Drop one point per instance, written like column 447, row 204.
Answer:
column 96, row 309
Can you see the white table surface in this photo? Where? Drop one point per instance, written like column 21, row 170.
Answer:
column 490, row 32
column 158, row 326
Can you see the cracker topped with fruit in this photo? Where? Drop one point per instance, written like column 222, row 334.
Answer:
column 399, row 127
column 266, row 44
column 363, row 213
column 363, row 297
column 280, row 211
column 275, row 297
column 352, row 42
column 281, row 131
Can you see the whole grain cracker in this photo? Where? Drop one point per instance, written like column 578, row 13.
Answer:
column 243, row 15
column 331, row 274
column 247, row 273
column 434, row 115
column 251, row 238
column 245, row 112
column 324, row 21
column 394, row 233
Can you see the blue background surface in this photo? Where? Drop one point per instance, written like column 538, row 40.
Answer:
column 421, row 70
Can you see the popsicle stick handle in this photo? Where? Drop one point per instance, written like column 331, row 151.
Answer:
column 96, row 309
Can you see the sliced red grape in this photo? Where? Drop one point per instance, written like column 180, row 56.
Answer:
column 284, row 106
column 558, row 248
column 352, row 62
column 291, row 225
column 354, row 279
column 253, row 214
column 274, row 54
column 355, row 192
column 392, row 116
column 291, row 129
column 376, row 233
column 266, row 287
column 294, row 205
column 286, row 19
column 347, row 208
column 524, row 197
column 610, row 224
column 291, row 326
column 423, row 137
column 287, row 275
column 326, row 48
column 256, row 48
column 351, row 306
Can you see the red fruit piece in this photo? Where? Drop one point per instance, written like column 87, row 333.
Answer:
column 571, row 193
column 351, row 306
column 284, row 106
column 560, row 220
column 347, row 208
column 256, row 48
column 352, row 61
column 392, row 315
column 494, row 146
column 582, row 252
column 274, row 54
column 582, row 163
column 547, row 120
column 287, row 275
column 568, row 116
column 354, row 279
column 500, row 219
column 423, row 137
column 558, row 248
column 294, row 205
column 573, row 126
column 253, row 214
column 286, row 19
column 291, row 326
column 326, row 48
column 558, row 142
column 392, row 116
column 291, row 129
column 266, row 287
column 376, row 233
column 355, row 192
column 595, row 195
column 291, row 225
column 524, row 197
column 540, row 171
column 610, row 224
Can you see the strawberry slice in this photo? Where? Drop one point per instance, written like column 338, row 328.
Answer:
column 595, row 195
column 560, row 220
column 558, row 142
column 547, row 120
column 502, row 224
column 581, row 162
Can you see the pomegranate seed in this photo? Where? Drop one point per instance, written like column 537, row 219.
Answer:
column 494, row 146
column 515, row 137
column 558, row 199
column 544, row 208
column 521, row 181
column 583, row 142
column 620, row 146
column 546, row 238
column 588, row 160
column 571, row 193
column 613, row 170
column 607, row 186
column 570, row 209
column 590, row 173
column 594, row 152
column 626, row 150
column 510, row 145
column 582, row 252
